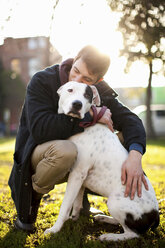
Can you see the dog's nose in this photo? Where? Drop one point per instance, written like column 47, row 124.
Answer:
column 77, row 105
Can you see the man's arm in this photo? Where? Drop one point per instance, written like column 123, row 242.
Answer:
column 41, row 110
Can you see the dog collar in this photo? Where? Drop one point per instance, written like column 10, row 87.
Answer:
column 96, row 117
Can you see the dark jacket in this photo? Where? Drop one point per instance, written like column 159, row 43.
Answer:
column 40, row 123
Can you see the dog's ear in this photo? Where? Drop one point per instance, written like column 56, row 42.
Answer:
column 96, row 98
column 59, row 90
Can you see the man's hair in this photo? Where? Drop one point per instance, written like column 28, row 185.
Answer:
column 96, row 61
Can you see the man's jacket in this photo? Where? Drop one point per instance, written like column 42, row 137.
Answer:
column 40, row 123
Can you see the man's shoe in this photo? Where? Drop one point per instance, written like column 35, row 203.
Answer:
column 26, row 227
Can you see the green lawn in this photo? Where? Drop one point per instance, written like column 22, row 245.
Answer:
column 85, row 231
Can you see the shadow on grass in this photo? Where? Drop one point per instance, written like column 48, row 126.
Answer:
column 83, row 233
column 13, row 239
column 80, row 234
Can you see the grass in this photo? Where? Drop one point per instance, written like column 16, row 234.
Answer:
column 84, row 232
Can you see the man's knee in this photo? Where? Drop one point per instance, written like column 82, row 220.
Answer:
column 55, row 165
column 64, row 152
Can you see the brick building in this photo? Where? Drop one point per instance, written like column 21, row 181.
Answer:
column 24, row 56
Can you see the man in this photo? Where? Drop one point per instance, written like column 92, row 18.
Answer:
column 43, row 155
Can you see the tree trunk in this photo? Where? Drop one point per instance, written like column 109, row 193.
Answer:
column 150, row 129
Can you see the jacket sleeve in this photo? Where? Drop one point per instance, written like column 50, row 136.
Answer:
column 44, row 123
column 129, row 123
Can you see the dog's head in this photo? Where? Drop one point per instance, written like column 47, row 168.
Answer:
column 76, row 99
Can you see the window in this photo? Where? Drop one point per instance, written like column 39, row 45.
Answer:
column 32, row 43
column 34, row 66
column 42, row 42
column 16, row 66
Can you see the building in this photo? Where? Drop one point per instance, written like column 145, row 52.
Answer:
column 25, row 56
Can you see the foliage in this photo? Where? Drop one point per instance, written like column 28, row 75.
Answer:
column 12, row 91
column 143, row 28
column 141, row 22
column 84, row 232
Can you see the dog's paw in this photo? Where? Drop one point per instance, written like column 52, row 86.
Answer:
column 106, row 219
column 51, row 230
column 105, row 237
column 48, row 230
column 102, row 237
column 110, row 237
column 99, row 217
column 118, row 237
column 75, row 217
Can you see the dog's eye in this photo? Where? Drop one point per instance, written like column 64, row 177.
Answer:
column 87, row 95
column 70, row 90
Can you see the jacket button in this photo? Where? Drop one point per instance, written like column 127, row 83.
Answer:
column 26, row 184
column 71, row 120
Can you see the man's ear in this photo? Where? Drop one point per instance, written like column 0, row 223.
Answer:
column 96, row 98
column 59, row 90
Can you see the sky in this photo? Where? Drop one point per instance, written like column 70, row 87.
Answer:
column 76, row 23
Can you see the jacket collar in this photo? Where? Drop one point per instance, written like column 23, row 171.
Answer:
column 64, row 70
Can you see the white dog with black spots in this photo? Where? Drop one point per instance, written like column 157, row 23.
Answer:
column 98, row 168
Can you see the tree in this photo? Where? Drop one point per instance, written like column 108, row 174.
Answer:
column 142, row 25
column 12, row 92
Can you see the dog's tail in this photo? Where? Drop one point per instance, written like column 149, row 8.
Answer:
column 141, row 225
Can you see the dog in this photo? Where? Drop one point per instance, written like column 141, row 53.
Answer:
column 98, row 168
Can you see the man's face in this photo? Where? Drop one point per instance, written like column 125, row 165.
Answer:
column 80, row 73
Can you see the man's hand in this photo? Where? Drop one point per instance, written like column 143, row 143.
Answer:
column 106, row 118
column 132, row 175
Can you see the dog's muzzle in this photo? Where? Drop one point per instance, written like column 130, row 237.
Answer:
column 76, row 107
